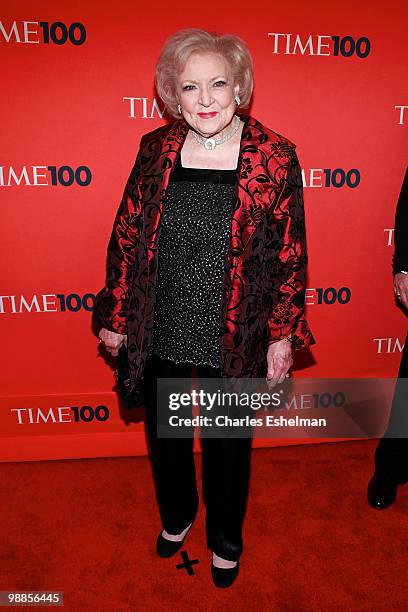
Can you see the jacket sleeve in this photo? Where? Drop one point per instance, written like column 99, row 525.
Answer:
column 109, row 309
column 287, row 318
column 400, row 257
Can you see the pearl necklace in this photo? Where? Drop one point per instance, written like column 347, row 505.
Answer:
column 211, row 143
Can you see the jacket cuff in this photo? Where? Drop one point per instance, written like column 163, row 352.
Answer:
column 299, row 333
column 398, row 264
column 108, row 313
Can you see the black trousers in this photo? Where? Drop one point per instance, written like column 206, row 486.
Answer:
column 391, row 455
column 225, row 470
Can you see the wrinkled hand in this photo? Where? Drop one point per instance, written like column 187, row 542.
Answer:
column 112, row 341
column 401, row 287
column 279, row 360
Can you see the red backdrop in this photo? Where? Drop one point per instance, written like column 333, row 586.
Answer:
column 78, row 94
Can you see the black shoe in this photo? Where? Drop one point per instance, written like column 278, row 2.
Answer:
column 224, row 577
column 381, row 492
column 167, row 548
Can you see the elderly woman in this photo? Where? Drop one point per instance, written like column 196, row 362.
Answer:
column 206, row 268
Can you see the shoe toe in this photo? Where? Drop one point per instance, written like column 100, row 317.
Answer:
column 224, row 577
column 167, row 548
column 381, row 492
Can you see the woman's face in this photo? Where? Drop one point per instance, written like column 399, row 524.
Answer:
column 206, row 93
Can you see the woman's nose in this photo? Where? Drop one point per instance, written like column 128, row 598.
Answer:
column 206, row 98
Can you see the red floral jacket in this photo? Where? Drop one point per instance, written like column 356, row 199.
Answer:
column 265, row 268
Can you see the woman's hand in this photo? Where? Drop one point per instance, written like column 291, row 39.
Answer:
column 112, row 341
column 401, row 288
column 279, row 360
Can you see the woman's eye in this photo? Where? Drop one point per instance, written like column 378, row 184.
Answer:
column 217, row 83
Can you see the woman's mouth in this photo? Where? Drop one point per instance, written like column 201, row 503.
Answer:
column 206, row 115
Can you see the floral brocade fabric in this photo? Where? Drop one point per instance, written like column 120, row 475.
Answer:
column 192, row 247
column 265, row 267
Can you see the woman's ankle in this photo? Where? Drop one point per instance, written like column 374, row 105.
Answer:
column 176, row 537
column 223, row 563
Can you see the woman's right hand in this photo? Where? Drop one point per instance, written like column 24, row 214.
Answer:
column 401, row 288
column 112, row 341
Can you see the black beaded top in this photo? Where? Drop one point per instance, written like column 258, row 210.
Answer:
column 192, row 246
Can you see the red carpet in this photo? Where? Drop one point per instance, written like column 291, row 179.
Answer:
column 312, row 542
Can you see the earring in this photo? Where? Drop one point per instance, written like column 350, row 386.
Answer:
column 237, row 100
column 179, row 108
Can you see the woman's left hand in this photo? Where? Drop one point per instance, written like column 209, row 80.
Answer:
column 279, row 360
